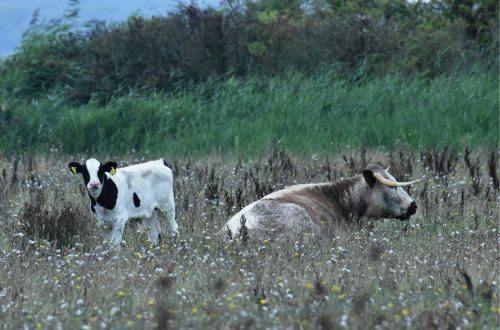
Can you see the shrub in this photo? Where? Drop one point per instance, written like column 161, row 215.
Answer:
column 60, row 224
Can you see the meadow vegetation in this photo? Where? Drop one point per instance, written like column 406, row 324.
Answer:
column 242, row 101
column 439, row 269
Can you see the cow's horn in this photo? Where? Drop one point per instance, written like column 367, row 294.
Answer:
column 390, row 183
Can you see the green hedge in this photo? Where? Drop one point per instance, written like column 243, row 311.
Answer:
column 246, row 116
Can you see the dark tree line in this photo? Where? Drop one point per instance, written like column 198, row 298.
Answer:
column 354, row 39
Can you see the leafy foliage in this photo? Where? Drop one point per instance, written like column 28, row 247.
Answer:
column 266, row 37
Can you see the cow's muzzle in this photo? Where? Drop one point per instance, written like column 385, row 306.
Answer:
column 93, row 186
column 411, row 211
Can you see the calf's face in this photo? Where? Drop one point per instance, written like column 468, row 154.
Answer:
column 386, row 201
column 93, row 172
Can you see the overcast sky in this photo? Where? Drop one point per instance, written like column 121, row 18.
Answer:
column 15, row 15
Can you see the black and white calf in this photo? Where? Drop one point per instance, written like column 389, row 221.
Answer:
column 133, row 192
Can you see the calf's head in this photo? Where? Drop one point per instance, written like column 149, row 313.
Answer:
column 387, row 198
column 93, row 172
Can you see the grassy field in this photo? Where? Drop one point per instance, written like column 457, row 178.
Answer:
column 440, row 269
column 245, row 117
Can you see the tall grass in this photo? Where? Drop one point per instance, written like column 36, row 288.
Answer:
column 244, row 117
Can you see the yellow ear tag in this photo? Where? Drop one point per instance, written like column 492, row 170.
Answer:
column 73, row 168
column 113, row 171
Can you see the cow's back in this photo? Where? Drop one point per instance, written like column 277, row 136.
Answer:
column 271, row 215
column 145, row 186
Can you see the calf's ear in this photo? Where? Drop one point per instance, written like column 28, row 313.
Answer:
column 75, row 167
column 369, row 177
column 110, row 167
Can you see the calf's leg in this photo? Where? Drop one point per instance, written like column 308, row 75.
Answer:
column 113, row 235
column 169, row 209
column 153, row 229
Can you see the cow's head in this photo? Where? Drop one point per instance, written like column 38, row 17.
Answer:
column 387, row 198
column 93, row 172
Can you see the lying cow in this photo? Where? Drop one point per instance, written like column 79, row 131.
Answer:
column 374, row 194
column 133, row 192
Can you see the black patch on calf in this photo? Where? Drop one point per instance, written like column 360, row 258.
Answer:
column 167, row 164
column 137, row 201
column 106, row 168
column 80, row 169
column 100, row 174
column 92, row 204
column 109, row 194
column 75, row 167
column 86, row 175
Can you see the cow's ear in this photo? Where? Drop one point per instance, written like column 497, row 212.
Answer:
column 110, row 167
column 75, row 167
column 369, row 177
